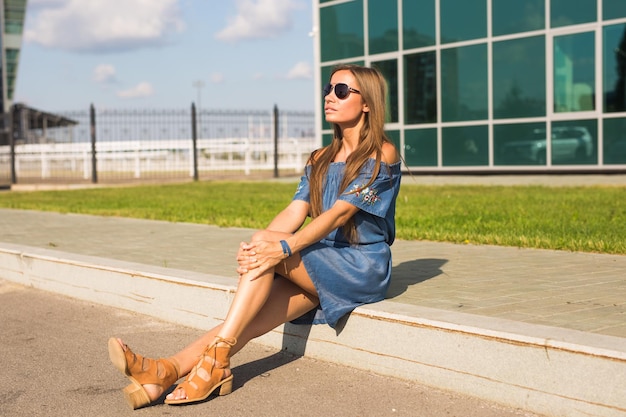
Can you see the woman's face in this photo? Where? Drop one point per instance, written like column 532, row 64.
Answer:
column 348, row 111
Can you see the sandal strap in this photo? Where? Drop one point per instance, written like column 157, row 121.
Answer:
column 163, row 372
column 210, row 369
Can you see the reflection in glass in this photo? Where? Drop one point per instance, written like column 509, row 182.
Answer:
column 418, row 23
column 574, row 72
column 613, row 9
column 519, row 78
column 342, row 30
column 519, row 144
column 465, row 146
column 420, row 88
column 566, row 12
column 574, row 142
column 517, row 16
column 389, row 69
column 614, row 64
column 464, row 90
column 463, row 20
column 614, row 141
column 420, row 147
column 382, row 26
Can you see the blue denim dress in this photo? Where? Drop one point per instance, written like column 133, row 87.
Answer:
column 347, row 276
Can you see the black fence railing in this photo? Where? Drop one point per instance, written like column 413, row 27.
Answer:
column 113, row 145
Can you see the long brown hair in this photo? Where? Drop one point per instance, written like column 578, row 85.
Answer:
column 373, row 89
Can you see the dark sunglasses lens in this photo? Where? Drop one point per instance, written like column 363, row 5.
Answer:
column 341, row 91
column 327, row 89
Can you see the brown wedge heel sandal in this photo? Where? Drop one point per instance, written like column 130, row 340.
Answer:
column 141, row 371
column 208, row 374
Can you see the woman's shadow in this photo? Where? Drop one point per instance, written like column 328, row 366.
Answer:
column 413, row 272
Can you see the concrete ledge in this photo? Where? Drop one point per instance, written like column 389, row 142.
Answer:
column 547, row 370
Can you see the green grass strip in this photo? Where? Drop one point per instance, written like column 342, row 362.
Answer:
column 586, row 219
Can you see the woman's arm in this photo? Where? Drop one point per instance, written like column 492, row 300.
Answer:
column 337, row 216
column 263, row 255
column 290, row 219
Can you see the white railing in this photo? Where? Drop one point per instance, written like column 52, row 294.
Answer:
column 140, row 157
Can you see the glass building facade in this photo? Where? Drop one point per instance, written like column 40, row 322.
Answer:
column 489, row 85
column 12, row 14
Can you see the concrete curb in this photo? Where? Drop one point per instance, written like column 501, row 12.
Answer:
column 546, row 370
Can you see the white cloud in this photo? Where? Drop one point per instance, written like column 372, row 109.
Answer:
column 141, row 90
column 302, row 70
column 259, row 19
column 104, row 25
column 104, row 73
column 217, row 78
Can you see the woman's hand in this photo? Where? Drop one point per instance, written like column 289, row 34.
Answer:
column 245, row 258
column 256, row 258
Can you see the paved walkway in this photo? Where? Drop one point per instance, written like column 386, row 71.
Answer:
column 578, row 291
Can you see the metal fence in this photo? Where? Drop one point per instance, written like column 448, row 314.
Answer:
column 112, row 145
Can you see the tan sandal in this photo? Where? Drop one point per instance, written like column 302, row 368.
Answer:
column 208, row 374
column 142, row 371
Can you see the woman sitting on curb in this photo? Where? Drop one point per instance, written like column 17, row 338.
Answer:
column 341, row 259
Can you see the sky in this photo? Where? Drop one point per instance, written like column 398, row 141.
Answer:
column 221, row 54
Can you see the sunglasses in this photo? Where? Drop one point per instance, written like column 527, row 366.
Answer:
column 342, row 91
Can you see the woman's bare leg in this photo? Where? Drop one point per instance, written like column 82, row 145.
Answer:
column 286, row 302
column 250, row 314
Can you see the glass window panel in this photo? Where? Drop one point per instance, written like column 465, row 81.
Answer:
column 394, row 137
column 574, row 72
column 325, row 78
column 327, row 138
column 464, row 92
column 613, row 9
column 574, row 142
column 382, row 26
column 517, row 16
column 14, row 12
column 465, row 146
column 12, row 59
column 418, row 20
column 614, row 64
column 420, row 88
column 389, row 69
column 519, row 78
column 564, row 12
column 519, row 144
column 614, row 141
column 420, row 147
column 342, row 31
column 462, row 20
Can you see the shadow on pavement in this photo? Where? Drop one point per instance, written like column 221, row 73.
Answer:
column 413, row 272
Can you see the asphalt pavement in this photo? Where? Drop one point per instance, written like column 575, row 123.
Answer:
column 55, row 363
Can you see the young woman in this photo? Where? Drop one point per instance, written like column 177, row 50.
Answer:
column 341, row 259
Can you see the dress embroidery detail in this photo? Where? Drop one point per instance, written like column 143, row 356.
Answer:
column 368, row 195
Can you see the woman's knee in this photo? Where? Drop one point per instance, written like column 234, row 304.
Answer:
column 259, row 235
